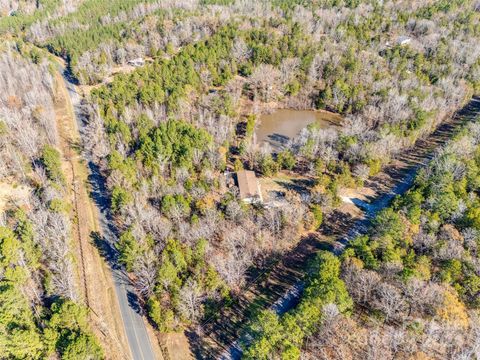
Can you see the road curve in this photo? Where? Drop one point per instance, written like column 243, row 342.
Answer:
column 131, row 311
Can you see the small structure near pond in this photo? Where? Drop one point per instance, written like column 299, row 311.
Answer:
column 248, row 185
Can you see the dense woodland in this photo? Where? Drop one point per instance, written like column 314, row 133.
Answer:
column 41, row 313
column 410, row 288
column 164, row 134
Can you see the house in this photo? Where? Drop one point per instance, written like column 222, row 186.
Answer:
column 136, row 62
column 248, row 185
column 403, row 40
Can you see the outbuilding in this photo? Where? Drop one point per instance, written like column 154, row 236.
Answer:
column 136, row 62
column 403, row 40
column 248, row 185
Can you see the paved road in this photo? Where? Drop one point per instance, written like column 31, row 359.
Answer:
column 131, row 312
column 281, row 289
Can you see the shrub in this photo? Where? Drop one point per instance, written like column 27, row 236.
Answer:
column 317, row 215
column 51, row 161
column 268, row 166
column 120, row 198
column 286, row 160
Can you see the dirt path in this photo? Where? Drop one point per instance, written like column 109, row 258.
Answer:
column 11, row 191
column 94, row 280
column 279, row 287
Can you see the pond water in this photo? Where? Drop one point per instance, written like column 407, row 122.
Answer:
column 282, row 125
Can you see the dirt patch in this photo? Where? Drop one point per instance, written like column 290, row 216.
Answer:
column 274, row 188
column 354, row 200
column 118, row 69
column 11, row 192
column 124, row 69
column 362, row 193
column 176, row 346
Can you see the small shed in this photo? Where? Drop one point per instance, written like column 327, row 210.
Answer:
column 403, row 40
column 136, row 62
column 248, row 185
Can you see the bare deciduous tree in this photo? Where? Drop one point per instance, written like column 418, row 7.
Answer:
column 389, row 300
column 191, row 296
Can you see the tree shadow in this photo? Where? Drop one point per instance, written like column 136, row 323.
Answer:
column 134, row 303
column 68, row 74
column 195, row 340
column 277, row 141
column 336, row 223
column 241, row 128
column 106, row 250
column 362, row 204
column 300, row 186
column 99, row 192
column 266, row 288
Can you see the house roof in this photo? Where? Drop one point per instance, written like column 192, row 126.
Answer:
column 402, row 40
column 136, row 61
column 247, row 184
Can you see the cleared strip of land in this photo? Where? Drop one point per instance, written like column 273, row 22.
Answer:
column 94, row 279
column 116, row 305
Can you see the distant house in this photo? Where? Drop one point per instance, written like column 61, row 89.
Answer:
column 248, row 185
column 136, row 62
column 403, row 40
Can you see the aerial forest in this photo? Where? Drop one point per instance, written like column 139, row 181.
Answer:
column 167, row 135
column 41, row 310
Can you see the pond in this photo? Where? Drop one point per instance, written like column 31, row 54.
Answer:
column 282, row 125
